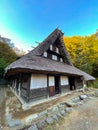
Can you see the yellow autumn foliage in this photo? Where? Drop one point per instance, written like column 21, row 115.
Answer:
column 83, row 51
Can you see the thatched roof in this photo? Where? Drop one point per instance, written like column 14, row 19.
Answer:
column 44, row 46
column 33, row 61
column 44, row 64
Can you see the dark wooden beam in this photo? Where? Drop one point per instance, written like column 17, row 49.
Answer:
column 28, row 86
column 47, row 85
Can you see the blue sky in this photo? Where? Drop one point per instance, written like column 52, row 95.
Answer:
column 27, row 21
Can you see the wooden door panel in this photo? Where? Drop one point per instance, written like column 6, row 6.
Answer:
column 51, row 91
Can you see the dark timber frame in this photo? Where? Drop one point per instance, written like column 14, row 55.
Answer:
column 57, row 85
column 49, row 58
column 72, row 83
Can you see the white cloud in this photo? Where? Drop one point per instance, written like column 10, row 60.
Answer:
column 15, row 39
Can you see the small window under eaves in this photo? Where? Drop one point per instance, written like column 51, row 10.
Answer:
column 57, row 50
column 51, row 47
column 45, row 54
column 61, row 60
column 54, row 57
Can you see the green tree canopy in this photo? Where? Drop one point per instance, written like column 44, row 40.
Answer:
column 7, row 56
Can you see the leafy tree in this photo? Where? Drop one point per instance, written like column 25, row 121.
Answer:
column 7, row 56
column 7, row 53
column 95, row 69
column 3, row 64
column 19, row 52
column 83, row 52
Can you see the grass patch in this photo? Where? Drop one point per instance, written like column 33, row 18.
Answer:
column 48, row 127
column 60, row 121
column 93, row 84
column 54, row 125
column 10, row 94
column 96, row 83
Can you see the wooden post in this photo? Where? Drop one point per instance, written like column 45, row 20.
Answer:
column 83, row 85
column 60, row 91
column 47, row 86
column 28, row 87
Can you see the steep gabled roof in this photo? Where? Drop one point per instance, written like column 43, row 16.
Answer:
column 44, row 46
column 33, row 61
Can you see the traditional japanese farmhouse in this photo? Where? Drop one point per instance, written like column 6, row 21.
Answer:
column 45, row 71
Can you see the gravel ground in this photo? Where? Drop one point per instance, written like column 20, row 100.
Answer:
column 2, row 105
column 84, row 117
column 1, row 94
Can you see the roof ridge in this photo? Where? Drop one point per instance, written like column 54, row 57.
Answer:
column 53, row 35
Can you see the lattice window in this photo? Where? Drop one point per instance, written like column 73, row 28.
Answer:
column 54, row 57
column 45, row 54
column 51, row 47
column 57, row 50
column 25, row 79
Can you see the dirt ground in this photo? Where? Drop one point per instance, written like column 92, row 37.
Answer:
column 84, row 117
column 43, row 106
column 18, row 113
column 2, row 105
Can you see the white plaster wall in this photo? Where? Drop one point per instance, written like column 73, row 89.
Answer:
column 64, row 80
column 52, row 56
column 38, row 81
column 15, row 83
column 51, row 80
column 61, row 60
